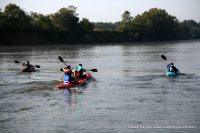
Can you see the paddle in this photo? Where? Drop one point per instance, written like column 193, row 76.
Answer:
column 16, row 61
column 61, row 59
column 164, row 58
column 93, row 70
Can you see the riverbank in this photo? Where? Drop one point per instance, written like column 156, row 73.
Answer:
column 25, row 43
column 38, row 42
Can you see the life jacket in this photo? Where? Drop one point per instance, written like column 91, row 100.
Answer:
column 79, row 71
column 172, row 68
column 66, row 79
column 79, row 68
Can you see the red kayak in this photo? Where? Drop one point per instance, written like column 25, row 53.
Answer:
column 81, row 81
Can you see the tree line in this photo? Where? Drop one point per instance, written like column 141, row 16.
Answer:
column 64, row 26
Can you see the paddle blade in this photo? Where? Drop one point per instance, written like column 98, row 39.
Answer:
column 17, row 61
column 164, row 58
column 94, row 70
column 37, row 66
column 60, row 58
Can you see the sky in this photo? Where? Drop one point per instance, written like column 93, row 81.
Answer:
column 111, row 10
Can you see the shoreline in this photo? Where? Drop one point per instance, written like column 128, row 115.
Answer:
column 31, row 43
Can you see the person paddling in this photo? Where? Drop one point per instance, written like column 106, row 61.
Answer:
column 68, row 70
column 66, row 78
column 172, row 68
column 79, row 71
column 27, row 67
column 68, row 75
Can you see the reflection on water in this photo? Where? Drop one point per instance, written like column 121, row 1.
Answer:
column 130, row 88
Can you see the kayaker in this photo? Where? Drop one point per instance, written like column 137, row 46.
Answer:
column 27, row 67
column 68, row 70
column 69, row 78
column 23, row 66
column 172, row 68
column 79, row 71
column 66, row 78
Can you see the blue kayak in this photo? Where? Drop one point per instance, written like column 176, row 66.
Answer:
column 172, row 74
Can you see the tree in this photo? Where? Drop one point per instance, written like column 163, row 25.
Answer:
column 2, row 26
column 189, row 29
column 156, row 24
column 126, row 17
column 125, row 25
column 105, row 26
column 16, row 19
column 66, row 20
column 86, row 25
column 2, row 21
column 42, row 22
column 73, row 9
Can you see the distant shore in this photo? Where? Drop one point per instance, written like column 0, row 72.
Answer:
column 32, row 43
column 17, row 27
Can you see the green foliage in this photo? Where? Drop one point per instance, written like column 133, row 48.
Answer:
column 155, row 24
column 86, row 25
column 16, row 26
column 126, row 23
column 105, row 26
column 126, row 17
column 65, row 20
column 189, row 29
column 15, row 18
column 14, row 23
column 41, row 22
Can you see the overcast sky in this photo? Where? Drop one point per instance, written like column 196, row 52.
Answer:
column 111, row 10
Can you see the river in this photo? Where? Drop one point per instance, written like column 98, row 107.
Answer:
column 129, row 93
